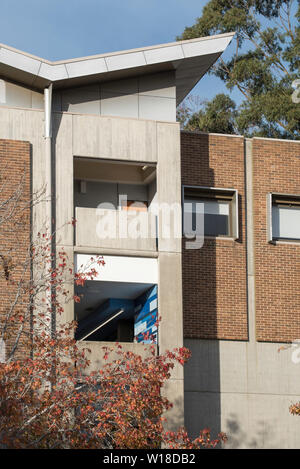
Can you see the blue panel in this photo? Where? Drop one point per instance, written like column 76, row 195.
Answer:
column 146, row 317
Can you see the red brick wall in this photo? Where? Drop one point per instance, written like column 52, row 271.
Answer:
column 214, row 277
column 276, row 169
column 14, row 235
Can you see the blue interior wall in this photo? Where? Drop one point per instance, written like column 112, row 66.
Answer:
column 145, row 319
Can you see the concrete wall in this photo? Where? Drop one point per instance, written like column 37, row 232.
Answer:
column 111, row 138
column 100, row 228
column 245, row 388
column 145, row 97
column 95, row 352
column 133, row 140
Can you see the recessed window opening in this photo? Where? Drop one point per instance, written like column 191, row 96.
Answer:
column 285, row 214
column 219, row 209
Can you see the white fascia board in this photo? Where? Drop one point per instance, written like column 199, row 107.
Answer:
column 86, row 67
column 207, row 47
column 53, row 72
column 124, row 61
column 164, row 54
column 20, row 61
column 173, row 53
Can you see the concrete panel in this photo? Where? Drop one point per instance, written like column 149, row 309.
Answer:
column 92, row 136
column 201, row 411
column 126, row 86
column 84, row 100
column 56, row 101
column 170, row 329
column 62, row 142
column 96, row 352
column 169, row 186
column 173, row 390
column 259, row 421
column 124, row 139
column 170, row 305
column 66, row 301
column 97, row 228
column 114, row 104
column 158, row 84
column 246, row 388
column 157, row 108
column 37, row 100
column 134, row 140
column 18, row 96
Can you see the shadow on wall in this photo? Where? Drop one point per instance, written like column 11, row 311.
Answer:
column 266, row 436
column 202, row 372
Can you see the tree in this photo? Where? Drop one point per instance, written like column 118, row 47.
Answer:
column 48, row 397
column 216, row 116
column 264, row 65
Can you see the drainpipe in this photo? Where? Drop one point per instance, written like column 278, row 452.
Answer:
column 48, row 182
column 48, row 153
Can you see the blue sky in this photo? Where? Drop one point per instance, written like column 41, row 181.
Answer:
column 63, row 29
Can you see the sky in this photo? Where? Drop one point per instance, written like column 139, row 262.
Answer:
column 64, row 29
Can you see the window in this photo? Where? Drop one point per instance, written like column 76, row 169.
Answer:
column 284, row 211
column 219, row 208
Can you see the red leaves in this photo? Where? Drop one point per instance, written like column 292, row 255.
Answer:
column 53, row 400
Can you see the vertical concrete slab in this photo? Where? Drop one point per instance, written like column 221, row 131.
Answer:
column 169, row 186
column 63, row 155
column 170, row 327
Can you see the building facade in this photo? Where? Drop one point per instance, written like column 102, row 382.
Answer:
column 100, row 133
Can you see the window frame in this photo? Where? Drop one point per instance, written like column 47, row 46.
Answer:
column 276, row 199
column 217, row 193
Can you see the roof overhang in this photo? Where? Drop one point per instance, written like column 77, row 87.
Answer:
column 190, row 60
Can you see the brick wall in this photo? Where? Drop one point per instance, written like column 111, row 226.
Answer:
column 214, row 277
column 14, row 235
column 276, row 169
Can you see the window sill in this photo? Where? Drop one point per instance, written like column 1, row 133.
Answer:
column 223, row 238
column 285, row 241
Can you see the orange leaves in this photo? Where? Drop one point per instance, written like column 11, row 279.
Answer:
column 295, row 409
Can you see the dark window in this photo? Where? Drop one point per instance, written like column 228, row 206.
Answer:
column 218, row 208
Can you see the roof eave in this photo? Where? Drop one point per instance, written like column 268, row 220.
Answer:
column 191, row 59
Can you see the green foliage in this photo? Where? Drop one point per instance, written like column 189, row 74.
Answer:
column 216, row 116
column 263, row 66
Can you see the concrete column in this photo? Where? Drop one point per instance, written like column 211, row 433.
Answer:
column 250, row 240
